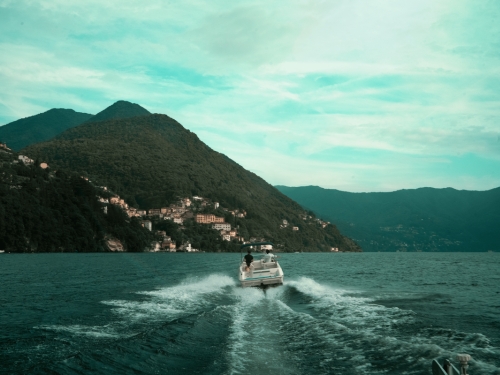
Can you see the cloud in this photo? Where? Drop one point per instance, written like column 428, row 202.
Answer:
column 315, row 89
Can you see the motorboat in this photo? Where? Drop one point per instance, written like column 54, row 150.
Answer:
column 262, row 272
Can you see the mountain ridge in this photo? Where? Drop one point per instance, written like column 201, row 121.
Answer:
column 423, row 219
column 46, row 125
column 41, row 127
column 119, row 110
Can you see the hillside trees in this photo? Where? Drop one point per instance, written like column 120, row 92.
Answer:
column 47, row 212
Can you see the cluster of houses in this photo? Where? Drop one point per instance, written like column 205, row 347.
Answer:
column 285, row 225
column 23, row 159
column 183, row 210
column 227, row 233
column 217, row 222
column 178, row 213
column 305, row 218
column 166, row 244
column 318, row 221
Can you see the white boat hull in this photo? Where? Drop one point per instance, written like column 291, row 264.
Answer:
column 261, row 274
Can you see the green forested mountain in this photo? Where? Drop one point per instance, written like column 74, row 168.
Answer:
column 41, row 127
column 43, row 211
column 423, row 219
column 119, row 110
column 152, row 160
column 44, row 126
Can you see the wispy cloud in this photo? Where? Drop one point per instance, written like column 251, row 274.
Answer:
column 360, row 95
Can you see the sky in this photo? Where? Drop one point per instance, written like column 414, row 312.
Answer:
column 355, row 95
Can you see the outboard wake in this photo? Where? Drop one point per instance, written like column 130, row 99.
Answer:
column 210, row 325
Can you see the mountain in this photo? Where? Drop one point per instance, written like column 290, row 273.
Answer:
column 120, row 110
column 153, row 160
column 41, row 127
column 44, row 126
column 424, row 219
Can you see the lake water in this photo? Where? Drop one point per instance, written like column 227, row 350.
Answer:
column 368, row 313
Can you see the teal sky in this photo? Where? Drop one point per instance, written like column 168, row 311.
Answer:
column 368, row 95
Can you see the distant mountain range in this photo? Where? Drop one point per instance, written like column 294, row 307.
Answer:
column 151, row 160
column 423, row 219
column 41, row 127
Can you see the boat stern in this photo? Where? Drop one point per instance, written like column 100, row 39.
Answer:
column 261, row 275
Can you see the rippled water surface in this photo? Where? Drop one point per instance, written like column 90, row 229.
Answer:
column 371, row 313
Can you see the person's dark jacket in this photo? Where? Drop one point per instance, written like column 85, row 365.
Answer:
column 248, row 259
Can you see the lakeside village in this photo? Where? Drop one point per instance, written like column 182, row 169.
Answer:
column 178, row 212
column 183, row 210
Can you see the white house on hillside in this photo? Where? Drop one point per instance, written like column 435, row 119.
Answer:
column 147, row 224
column 221, row 226
column 26, row 160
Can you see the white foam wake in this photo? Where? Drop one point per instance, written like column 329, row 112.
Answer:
column 189, row 297
column 254, row 344
column 96, row 332
column 350, row 310
column 356, row 333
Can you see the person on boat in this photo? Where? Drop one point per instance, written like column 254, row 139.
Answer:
column 248, row 260
column 269, row 257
